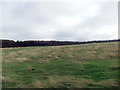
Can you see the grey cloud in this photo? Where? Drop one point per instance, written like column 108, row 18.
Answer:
column 29, row 21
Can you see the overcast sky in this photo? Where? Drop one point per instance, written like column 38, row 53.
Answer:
column 59, row 20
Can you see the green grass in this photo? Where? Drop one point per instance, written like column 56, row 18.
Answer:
column 74, row 66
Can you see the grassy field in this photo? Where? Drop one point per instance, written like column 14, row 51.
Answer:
column 74, row 66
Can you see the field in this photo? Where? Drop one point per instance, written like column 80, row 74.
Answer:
column 92, row 65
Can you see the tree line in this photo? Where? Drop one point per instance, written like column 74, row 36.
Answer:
column 12, row 43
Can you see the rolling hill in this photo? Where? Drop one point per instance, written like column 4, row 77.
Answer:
column 93, row 65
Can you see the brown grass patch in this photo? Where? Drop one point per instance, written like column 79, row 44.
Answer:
column 54, row 82
column 6, row 79
column 83, row 83
column 109, row 82
column 67, row 81
column 38, row 84
column 22, row 59
column 44, row 61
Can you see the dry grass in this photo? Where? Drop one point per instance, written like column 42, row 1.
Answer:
column 38, row 84
column 6, row 79
column 22, row 59
column 12, row 57
column 81, row 52
column 44, row 61
column 109, row 82
column 67, row 81
column 54, row 82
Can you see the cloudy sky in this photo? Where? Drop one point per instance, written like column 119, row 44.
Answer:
column 79, row 21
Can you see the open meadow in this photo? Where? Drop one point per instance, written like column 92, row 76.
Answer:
column 92, row 65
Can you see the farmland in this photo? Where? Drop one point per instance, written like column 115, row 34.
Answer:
column 93, row 65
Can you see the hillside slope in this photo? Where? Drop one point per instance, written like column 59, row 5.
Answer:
column 74, row 66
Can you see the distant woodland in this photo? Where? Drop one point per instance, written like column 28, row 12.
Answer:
column 12, row 43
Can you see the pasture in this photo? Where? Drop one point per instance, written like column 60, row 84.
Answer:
column 92, row 65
